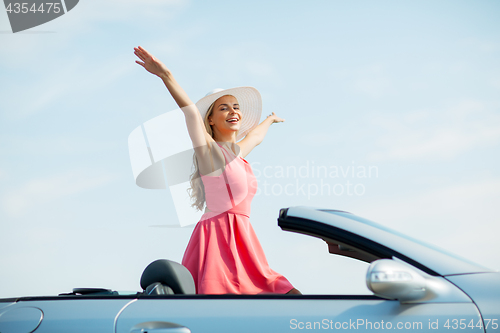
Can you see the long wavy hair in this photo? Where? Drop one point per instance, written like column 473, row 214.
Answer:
column 197, row 190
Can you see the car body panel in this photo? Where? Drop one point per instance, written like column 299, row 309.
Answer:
column 377, row 238
column 484, row 289
column 20, row 319
column 72, row 314
column 6, row 302
column 282, row 314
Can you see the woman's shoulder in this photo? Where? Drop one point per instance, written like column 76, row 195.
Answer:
column 234, row 149
column 209, row 158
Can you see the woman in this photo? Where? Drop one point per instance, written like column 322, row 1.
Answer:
column 223, row 254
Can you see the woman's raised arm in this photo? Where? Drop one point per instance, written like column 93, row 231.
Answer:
column 196, row 128
column 255, row 136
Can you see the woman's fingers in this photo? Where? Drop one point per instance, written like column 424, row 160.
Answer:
column 147, row 58
column 140, row 55
column 276, row 119
column 143, row 50
column 150, row 63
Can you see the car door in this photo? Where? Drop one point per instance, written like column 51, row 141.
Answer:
column 58, row 314
column 286, row 313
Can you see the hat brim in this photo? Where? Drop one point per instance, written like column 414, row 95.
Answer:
column 250, row 103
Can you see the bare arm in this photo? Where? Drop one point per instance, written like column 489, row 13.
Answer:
column 256, row 136
column 201, row 140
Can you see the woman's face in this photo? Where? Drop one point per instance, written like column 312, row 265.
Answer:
column 226, row 115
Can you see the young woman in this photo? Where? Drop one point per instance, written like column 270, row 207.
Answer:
column 223, row 254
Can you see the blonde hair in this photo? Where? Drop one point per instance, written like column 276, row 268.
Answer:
column 197, row 189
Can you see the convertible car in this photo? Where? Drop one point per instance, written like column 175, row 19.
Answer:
column 415, row 287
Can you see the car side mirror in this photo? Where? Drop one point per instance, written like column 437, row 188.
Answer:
column 394, row 280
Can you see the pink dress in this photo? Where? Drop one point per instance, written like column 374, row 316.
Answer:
column 224, row 255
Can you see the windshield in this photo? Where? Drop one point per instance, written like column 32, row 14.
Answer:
column 392, row 231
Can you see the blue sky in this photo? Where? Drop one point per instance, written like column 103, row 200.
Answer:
column 408, row 87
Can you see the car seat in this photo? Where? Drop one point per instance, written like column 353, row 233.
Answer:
column 164, row 277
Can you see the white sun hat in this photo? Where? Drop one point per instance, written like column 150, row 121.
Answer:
column 250, row 103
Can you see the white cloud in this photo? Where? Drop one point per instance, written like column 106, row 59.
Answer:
column 53, row 39
column 441, row 134
column 374, row 87
column 49, row 189
column 260, row 68
column 126, row 11
column 75, row 75
column 372, row 81
column 462, row 218
column 496, row 83
column 482, row 45
column 45, row 146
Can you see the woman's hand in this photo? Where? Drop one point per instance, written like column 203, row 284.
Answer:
column 150, row 63
column 256, row 135
column 275, row 118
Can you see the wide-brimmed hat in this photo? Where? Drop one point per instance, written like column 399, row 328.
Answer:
column 250, row 106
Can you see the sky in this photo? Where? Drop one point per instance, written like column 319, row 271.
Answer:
column 404, row 93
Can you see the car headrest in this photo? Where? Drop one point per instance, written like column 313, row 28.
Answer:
column 158, row 288
column 170, row 273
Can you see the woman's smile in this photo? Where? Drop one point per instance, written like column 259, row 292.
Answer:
column 226, row 114
column 233, row 120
